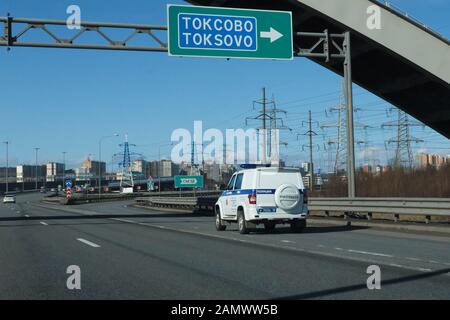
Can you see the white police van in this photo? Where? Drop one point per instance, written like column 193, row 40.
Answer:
column 263, row 195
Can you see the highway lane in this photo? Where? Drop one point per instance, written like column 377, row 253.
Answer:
column 412, row 250
column 134, row 258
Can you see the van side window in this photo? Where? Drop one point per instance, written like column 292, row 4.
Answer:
column 238, row 184
column 231, row 183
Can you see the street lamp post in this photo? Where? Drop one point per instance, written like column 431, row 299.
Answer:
column 36, row 168
column 100, row 161
column 7, row 165
column 64, row 168
column 159, row 165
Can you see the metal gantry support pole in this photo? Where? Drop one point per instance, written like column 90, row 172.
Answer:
column 350, row 125
column 311, row 151
column 329, row 46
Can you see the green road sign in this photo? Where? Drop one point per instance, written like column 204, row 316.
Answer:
column 229, row 33
column 188, row 182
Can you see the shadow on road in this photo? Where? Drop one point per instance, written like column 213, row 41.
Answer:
column 328, row 292
column 311, row 230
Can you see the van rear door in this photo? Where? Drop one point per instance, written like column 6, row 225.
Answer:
column 267, row 183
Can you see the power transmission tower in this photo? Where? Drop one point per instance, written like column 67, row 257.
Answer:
column 263, row 116
column 127, row 179
column 268, row 113
column 341, row 158
column 328, row 146
column 340, row 161
column 276, row 124
column 310, row 133
column 403, row 153
column 195, row 168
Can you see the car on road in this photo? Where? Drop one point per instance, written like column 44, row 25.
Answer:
column 263, row 195
column 9, row 198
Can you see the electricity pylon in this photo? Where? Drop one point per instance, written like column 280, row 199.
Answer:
column 403, row 153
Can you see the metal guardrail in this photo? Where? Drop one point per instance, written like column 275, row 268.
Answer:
column 397, row 206
column 205, row 203
column 181, row 194
column 88, row 198
column 412, row 206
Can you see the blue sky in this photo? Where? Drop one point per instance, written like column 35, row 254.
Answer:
column 65, row 100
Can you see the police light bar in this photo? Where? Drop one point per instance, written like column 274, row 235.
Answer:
column 254, row 166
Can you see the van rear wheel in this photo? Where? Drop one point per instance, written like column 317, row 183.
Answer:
column 298, row 226
column 242, row 224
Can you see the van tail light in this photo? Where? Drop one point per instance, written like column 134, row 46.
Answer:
column 252, row 198
column 305, row 197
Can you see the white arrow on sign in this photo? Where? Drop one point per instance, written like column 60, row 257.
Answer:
column 273, row 35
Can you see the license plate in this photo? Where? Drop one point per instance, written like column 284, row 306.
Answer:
column 267, row 210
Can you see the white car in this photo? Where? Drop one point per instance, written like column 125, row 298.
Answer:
column 9, row 198
column 263, row 195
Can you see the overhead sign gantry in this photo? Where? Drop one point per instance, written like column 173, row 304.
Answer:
column 270, row 32
column 229, row 33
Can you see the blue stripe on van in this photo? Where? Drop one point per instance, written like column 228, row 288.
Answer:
column 250, row 191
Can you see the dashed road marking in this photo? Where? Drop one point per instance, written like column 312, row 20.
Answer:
column 43, row 223
column 287, row 241
column 413, row 259
column 371, row 253
column 89, row 243
column 123, row 220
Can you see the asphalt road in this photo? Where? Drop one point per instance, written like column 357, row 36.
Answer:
column 132, row 253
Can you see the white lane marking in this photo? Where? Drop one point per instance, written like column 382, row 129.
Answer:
column 413, row 259
column 287, row 241
column 371, row 253
column 88, row 243
column 123, row 220
column 416, row 268
column 339, row 249
column 321, row 246
column 27, row 216
column 43, row 223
